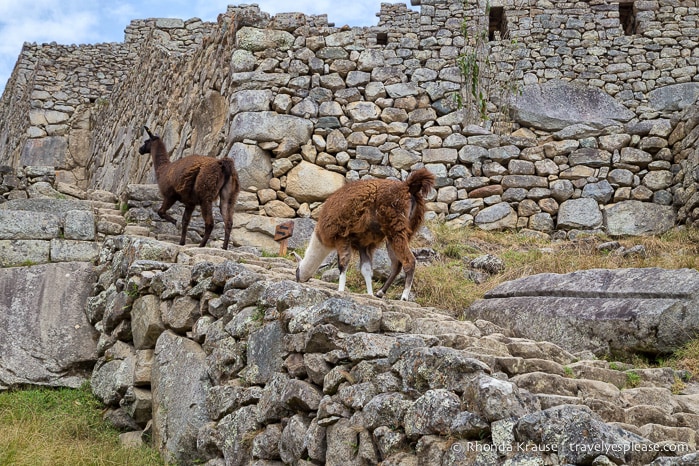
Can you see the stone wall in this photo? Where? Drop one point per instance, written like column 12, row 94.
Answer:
column 224, row 359
column 585, row 42
column 53, row 89
column 43, row 220
column 292, row 98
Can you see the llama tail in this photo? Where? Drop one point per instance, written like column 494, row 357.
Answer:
column 420, row 182
column 227, row 166
column 231, row 185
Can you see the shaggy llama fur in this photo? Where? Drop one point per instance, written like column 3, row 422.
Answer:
column 359, row 216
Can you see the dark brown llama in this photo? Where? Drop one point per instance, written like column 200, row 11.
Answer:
column 360, row 215
column 194, row 180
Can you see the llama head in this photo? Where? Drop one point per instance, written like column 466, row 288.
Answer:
column 145, row 148
column 315, row 253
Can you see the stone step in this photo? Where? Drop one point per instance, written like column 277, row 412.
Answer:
column 105, row 205
column 136, row 230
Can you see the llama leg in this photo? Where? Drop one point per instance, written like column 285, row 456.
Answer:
column 186, row 217
column 344, row 254
column 228, row 196
column 401, row 256
column 228, row 226
column 366, row 269
column 395, row 269
column 165, row 206
column 401, row 248
column 208, row 216
column 227, row 214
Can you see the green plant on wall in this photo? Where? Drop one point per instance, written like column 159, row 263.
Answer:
column 490, row 83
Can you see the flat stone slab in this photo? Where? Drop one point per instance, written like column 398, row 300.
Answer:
column 55, row 206
column 557, row 104
column 642, row 310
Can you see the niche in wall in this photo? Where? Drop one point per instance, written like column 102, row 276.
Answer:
column 497, row 26
column 627, row 18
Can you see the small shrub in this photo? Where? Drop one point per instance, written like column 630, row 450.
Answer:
column 632, row 379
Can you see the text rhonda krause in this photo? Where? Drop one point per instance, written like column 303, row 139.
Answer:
column 599, row 448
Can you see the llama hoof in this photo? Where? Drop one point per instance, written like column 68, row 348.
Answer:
column 379, row 294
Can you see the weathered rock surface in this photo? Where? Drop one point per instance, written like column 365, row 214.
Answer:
column 180, row 384
column 600, row 310
column 556, row 104
column 637, row 218
column 45, row 337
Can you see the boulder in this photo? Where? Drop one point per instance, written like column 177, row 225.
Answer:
column 179, row 383
column 270, row 126
column 582, row 213
column 497, row 217
column 307, row 182
column 557, row 104
column 257, row 40
column 638, row 218
column 45, row 338
column 674, row 97
column 52, row 150
column 254, row 165
column 626, row 310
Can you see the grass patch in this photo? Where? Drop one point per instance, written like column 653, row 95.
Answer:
column 61, row 427
column 632, row 379
column 444, row 284
column 686, row 358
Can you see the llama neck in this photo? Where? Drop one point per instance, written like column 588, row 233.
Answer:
column 315, row 253
column 159, row 155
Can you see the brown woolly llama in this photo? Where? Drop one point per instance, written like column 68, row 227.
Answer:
column 194, row 180
column 360, row 215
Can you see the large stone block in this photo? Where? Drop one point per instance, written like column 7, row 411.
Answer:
column 310, row 183
column 45, row 338
column 638, row 218
column 24, row 252
column 556, row 104
column 270, row 126
column 50, row 151
column 179, row 387
column 645, row 310
column 16, row 224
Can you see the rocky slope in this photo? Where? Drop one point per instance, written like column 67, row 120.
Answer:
column 235, row 363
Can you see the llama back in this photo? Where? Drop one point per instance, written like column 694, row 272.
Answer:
column 346, row 209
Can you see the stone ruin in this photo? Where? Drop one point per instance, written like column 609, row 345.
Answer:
column 601, row 134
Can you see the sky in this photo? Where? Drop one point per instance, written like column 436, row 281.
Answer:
column 77, row 22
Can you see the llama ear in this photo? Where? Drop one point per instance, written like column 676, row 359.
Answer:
column 150, row 135
column 296, row 256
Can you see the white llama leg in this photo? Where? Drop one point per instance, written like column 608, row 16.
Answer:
column 367, row 273
column 343, row 279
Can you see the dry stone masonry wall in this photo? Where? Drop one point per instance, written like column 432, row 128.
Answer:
column 303, row 106
column 226, row 360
